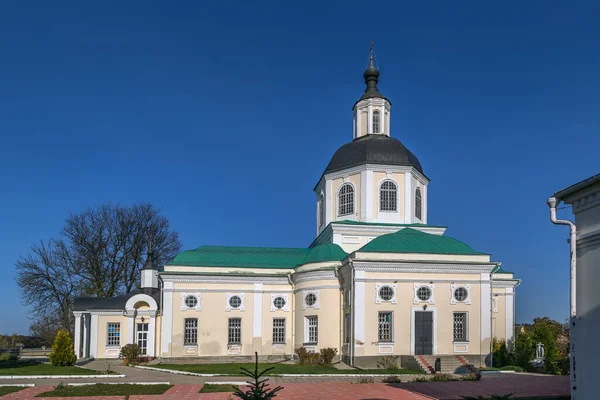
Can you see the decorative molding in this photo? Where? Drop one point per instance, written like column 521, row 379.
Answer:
column 107, row 312
column 77, row 314
column 453, row 287
column 285, row 297
column 411, row 280
column 316, row 288
column 383, row 229
column 242, row 306
column 198, row 297
column 586, row 202
column 378, row 299
column 317, row 275
column 317, row 294
column 133, row 300
column 186, row 290
column 376, row 168
column 234, row 278
column 461, row 347
column 387, row 266
column 431, row 299
column 385, row 348
column 507, row 283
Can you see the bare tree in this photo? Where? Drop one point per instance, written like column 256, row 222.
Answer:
column 100, row 253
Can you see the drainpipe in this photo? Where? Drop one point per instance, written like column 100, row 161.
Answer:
column 552, row 203
column 352, row 308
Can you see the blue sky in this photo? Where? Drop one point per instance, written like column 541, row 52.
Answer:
column 225, row 115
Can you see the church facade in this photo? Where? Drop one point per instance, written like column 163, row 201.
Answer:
column 377, row 280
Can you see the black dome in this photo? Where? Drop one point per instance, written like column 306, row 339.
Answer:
column 373, row 149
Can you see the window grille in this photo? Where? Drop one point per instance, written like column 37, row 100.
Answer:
column 418, row 207
column 460, row 327
column 278, row 330
column 376, row 119
column 388, row 196
column 113, row 337
column 235, row 331
column 190, row 335
column 424, row 293
column 346, row 200
column 313, row 329
column 310, row 299
column 385, row 327
column 386, row 293
column 191, row 301
column 279, row 302
column 460, row 293
column 235, row 301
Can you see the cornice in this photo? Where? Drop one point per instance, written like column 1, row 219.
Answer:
column 383, row 229
column 105, row 312
column 375, row 167
column 462, row 268
column 506, row 283
column 313, row 276
column 588, row 240
column 266, row 280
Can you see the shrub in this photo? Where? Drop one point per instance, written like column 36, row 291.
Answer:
column 443, row 378
column 62, row 350
column 10, row 357
column 366, row 379
column 390, row 363
column 515, row 368
column 307, row 357
column 258, row 388
column 473, row 376
column 501, row 356
column 131, row 353
column 327, row 355
column 392, row 379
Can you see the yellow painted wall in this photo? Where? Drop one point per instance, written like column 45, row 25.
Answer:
column 335, row 186
column 103, row 320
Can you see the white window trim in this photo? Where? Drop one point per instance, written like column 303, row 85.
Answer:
column 453, row 300
column 286, row 297
column 391, row 327
column 242, row 306
column 279, row 344
column 317, row 293
column 198, row 296
column 337, row 203
column 397, row 197
column 431, row 286
column 466, row 341
column 378, row 299
column 306, row 335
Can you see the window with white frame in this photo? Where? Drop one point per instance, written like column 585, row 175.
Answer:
column 310, row 299
column 190, row 334
column 321, row 210
column 235, row 301
column 461, row 293
column 376, row 121
column 235, row 331
column 385, row 327
column 418, row 205
column 311, row 329
column 388, row 196
column 191, row 301
column 279, row 302
column 346, row 199
column 386, row 293
column 113, row 334
column 278, row 330
column 424, row 293
column 460, row 327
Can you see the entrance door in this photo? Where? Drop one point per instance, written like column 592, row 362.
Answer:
column 142, row 338
column 423, row 332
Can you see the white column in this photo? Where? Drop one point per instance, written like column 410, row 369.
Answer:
column 359, row 306
column 94, row 336
column 424, row 204
column 131, row 326
column 510, row 318
column 151, row 334
column 408, row 195
column 77, row 345
column 258, row 308
column 486, row 315
column 167, row 319
column 370, row 119
column 86, row 335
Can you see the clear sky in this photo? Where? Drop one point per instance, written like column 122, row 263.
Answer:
column 224, row 115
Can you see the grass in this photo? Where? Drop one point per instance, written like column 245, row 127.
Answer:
column 10, row 389
column 214, row 388
column 102, row 389
column 515, row 368
column 234, row 369
column 32, row 368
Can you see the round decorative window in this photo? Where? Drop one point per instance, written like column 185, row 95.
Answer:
column 460, row 293
column 191, row 301
column 279, row 302
column 235, row 301
column 424, row 293
column 310, row 299
column 386, row 293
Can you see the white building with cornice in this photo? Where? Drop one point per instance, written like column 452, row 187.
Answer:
column 377, row 279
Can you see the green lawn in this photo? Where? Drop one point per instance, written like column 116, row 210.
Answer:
column 28, row 368
column 213, row 388
column 10, row 389
column 234, row 369
column 102, row 389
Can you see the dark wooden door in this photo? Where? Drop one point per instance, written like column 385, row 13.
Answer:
column 423, row 333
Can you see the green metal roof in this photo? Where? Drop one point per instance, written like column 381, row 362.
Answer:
column 257, row 257
column 499, row 270
column 344, row 222
column 410, row 240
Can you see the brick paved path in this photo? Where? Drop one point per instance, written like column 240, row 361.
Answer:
column 292, row 391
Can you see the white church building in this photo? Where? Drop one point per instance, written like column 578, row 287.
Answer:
column 377, row 279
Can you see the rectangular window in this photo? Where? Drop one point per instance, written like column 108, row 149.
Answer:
column 113, row 336
column 190, row 337
column 385, row 326
column 278, row 330
column 235, row 331
column 311, row 332
column 460, row 326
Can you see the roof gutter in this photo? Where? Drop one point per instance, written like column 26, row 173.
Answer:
column 552, row 203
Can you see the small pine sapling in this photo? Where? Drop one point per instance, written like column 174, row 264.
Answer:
column 258, row 388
